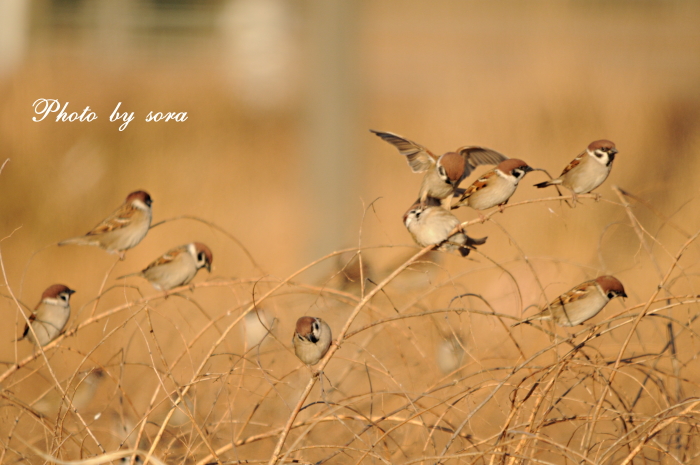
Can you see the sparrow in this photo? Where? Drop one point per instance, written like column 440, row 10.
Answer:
column 50, row 315
column 349, row 273
column 588, row 170
column 311, row 339
column 81, row 394
column 123, row 229
column 444, row 173
column 258, row 325
column 581, row 303
column 431, row 225
column 450, row 354
column 496, row 186
column 177, row 266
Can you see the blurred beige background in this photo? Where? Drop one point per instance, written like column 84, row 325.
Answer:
column 280, row 95
column 276, row 149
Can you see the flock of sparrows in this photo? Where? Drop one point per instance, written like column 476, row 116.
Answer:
column 120, row 231
column 429, row 221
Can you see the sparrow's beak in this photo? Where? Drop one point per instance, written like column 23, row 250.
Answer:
column 613, row 151
column 623, row 295
column 527, row 169
column 209, row 267
column 70, row 291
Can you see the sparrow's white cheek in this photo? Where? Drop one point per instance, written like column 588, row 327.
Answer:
column 140, row 205
column 601, row 157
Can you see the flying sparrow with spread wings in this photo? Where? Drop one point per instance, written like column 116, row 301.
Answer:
column 432, row 225
column 177, row 266
column 444, row 173
column 581, row 303
column 496, row 186
column 588, row 170
column 123, row 229
column 50, row 315
column 311, row 340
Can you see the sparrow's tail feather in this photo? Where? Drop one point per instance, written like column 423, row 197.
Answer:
column 80, row 240
column 527, row 320
column 553, row 182
column 139, row 273
column 541, row 316
column 471, row 244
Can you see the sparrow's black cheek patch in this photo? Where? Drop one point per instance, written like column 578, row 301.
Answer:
column 313, row 338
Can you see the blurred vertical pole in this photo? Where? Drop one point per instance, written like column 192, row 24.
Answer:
column 331, row 155
column 114, row 20
column 259, row 52
column 14, row 32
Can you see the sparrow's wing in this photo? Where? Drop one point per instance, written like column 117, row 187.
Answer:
column 119, row 219
column 419, row 158
column 577, row 293
column 575, row 162
column 32, row 317
column 475, row 156
column 167, row 257
column 479, row 184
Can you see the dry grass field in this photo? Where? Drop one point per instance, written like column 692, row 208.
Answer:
column 276, row 171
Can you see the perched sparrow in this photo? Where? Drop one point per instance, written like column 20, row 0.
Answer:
column 581, row 303
column 123, row 229
column 432, row 225
column 81, row 394
column 349, row 273
column 258, row 325
column 311, row 339
column 588, row 170
column 177, row 266
column 50, row 315
column 450, row 354
column 496, row 186
column 442, row 174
